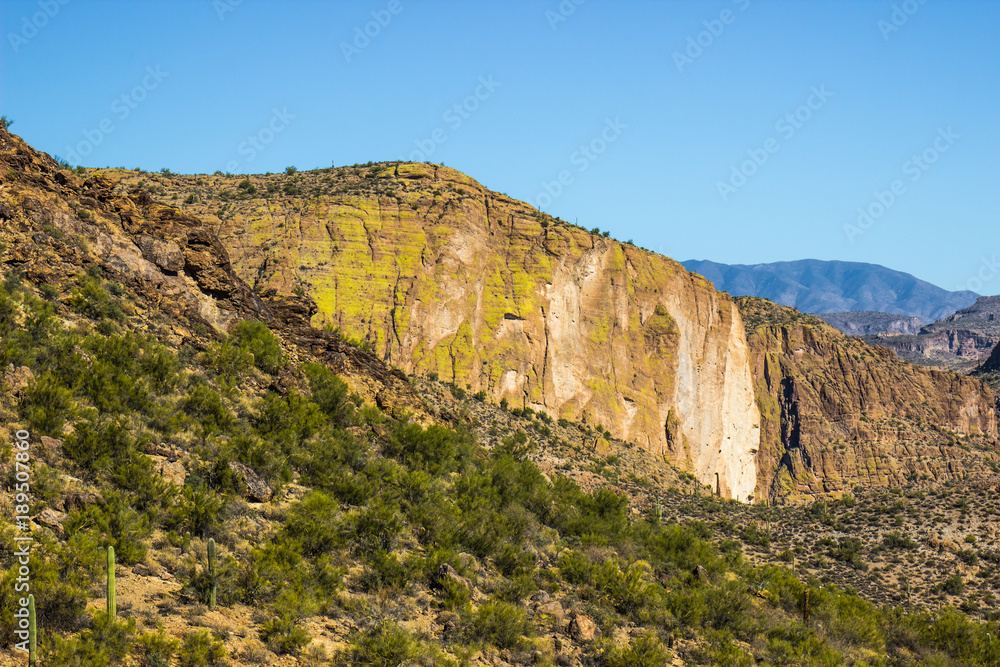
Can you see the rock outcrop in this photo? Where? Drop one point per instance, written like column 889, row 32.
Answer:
column 837, row 412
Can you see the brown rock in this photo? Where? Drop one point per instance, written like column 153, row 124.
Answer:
column 51, row 445
column 552, row 612
column 52, row 518
column 165, row 254
column 582, row 628
column 447, row 573
column 485, row 291
column 173, row 472
column 256, row 489
column 17, row 379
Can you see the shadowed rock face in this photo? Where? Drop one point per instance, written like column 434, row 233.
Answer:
column 993, row 363
column 441, row 275
column 837, row 412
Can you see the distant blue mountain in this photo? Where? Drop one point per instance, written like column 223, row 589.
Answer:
column 817, row 286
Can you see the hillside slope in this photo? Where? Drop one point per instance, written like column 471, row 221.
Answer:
column 171, row 413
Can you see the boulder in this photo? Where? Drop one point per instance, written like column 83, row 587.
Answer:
column 172, row 471
column 582, row 628
column 256, row 489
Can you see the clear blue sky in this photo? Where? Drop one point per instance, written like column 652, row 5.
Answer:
column 200, row 78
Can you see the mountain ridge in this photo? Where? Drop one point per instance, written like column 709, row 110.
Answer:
column 828, row 286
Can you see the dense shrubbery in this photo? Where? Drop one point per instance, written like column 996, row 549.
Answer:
column 411, row 506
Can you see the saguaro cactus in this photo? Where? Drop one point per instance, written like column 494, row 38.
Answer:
column 112, row 603
column 32, row 634
column 212, row 574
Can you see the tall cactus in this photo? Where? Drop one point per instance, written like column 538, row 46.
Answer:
column 112, row 603
column 32, row 634
column 212, row 574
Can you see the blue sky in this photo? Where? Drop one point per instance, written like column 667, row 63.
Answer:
column 742, row 131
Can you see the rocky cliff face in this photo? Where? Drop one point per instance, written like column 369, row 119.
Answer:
column 837, row 412
column 443, row 276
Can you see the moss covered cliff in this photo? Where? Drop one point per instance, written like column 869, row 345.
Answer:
column 441, row 275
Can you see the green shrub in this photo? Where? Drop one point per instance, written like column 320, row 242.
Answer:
column 501, row 624
column 330, row 393
column 288, row 421
column 92, row 300
column 284, row 635
column 897, row 540
column 436, row 449
column 196, row 510
column 953, row 585
column 47, row 406
column 314, row 523
column 644, row 651
column 115, row 523
column 156, row 649
column 384, row 645
column 201, row 649
column 229, row 359
column 205, row 406
column 264, row 347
